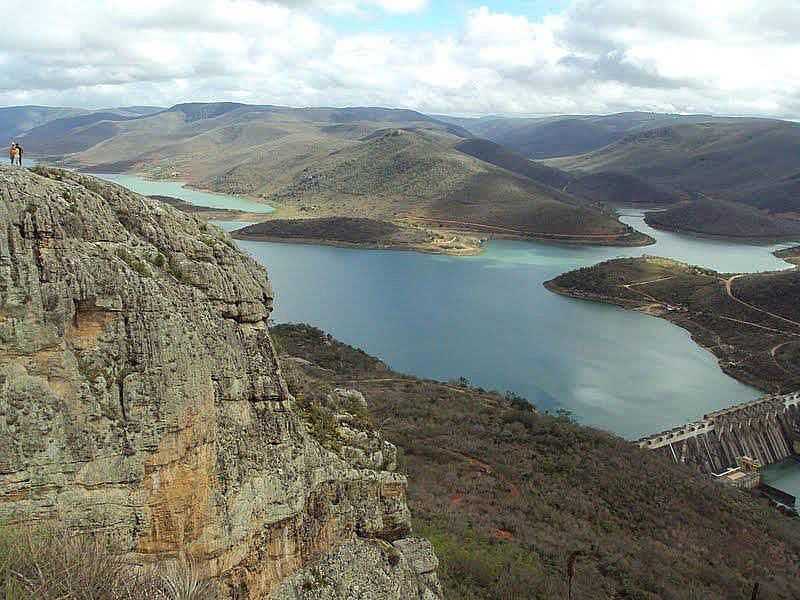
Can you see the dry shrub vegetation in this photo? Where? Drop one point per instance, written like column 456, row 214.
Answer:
column 48, row 563
column 510, row 497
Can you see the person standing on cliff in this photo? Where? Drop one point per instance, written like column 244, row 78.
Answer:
column 19, row 153
column 12, row 152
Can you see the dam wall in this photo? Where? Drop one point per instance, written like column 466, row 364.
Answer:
column 767, row 430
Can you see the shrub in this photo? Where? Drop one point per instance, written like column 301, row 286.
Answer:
column 134, row 262
column 49, row 563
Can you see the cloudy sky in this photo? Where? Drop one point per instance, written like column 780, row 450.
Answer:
column 449, row 56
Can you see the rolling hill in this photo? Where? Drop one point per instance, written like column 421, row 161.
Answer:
column 743, row 160
column 41, row 126
column 748, row 163
column 385, row 164
column 16, row 120
column 568, row 135
column 620, row 188
column 604, row 188
column 502, row 157
column 424, row 177
column 720, row 217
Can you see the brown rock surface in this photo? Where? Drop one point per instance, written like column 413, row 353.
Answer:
column 140, row 395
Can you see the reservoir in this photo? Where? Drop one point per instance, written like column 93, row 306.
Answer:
column 488, row 318
column 784, row 476
column 177, row 189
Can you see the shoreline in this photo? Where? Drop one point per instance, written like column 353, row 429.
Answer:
column 358, row 246
column 660, row 313
column 754, row 239
column 281, row 211
column 708, row 337
column 428, row 249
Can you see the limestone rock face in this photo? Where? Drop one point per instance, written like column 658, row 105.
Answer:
column 140, row 394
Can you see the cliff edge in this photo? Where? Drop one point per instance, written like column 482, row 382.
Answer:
column 140, row 395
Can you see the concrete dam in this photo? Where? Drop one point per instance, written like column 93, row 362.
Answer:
column 765, row 430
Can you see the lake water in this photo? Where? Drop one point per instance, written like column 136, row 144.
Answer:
column 178, row 189
column 784, row 476
column 489, row 319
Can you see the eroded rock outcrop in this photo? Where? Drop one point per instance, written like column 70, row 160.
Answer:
column 140, row 394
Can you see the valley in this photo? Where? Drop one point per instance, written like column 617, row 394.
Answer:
column 400, row 300
column 558, row 353
column 397, row 166
column 739, row 176
column 488, row 471
column 351, row 191
column 540, row 178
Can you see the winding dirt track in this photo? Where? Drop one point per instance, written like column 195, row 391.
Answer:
column 630, row 287
column 729, row 291
column 774, row 354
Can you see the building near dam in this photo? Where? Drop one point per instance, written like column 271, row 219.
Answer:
column 734, row 443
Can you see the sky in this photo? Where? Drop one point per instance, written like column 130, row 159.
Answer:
column 520, row 57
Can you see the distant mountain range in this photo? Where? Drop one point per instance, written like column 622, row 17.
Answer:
column 17, row 121
column 344, row 162
column 567, row 135
column 661, row 159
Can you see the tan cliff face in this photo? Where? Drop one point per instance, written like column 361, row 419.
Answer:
column 140, row 395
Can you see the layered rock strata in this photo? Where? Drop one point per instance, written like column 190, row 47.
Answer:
column 140, row 396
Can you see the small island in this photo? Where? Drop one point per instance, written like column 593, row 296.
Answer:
column 360, row 233
column 751, row 322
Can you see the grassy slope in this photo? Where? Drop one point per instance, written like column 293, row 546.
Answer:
column 565, row 135
column 507, row 495
column 341, row 230
column 742, row 338
column 504, row 158
column 740, row 159
column 616, row 188
column 620, row 188
column 548, row 137
column 421, row 175
column 338, row 162
column 15, row 120
column 719, row 217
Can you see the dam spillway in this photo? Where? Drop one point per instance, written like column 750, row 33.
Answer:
column 767, row 430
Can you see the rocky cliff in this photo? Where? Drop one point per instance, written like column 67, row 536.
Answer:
column 140, row 395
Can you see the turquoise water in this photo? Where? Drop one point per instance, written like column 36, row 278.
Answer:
column 489, row 319
column 784, row 476
column 177, row 189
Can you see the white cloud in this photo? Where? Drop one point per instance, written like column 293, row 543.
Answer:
column 719, row 56
column 353, row 6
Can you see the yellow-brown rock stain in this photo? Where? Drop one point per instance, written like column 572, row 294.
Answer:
column 280, row 549
column 86, row 327
column 179, row 481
